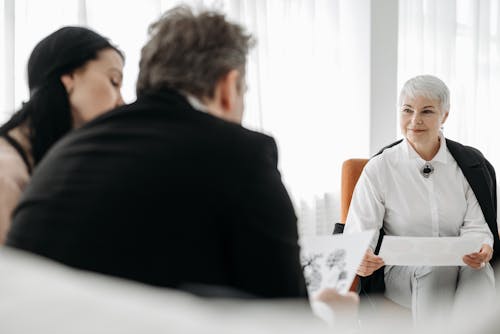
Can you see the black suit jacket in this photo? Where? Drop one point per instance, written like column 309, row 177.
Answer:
column 167, row 195
column 481, row 177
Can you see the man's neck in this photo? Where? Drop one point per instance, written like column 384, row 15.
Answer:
column 208, row 106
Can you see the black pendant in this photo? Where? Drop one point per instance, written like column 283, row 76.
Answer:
column 427, row 170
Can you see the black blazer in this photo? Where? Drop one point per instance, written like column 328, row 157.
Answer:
column 481, row 177
column 167, row 195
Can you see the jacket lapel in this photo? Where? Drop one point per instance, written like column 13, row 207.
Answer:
column 474, row 171
column 482, row 184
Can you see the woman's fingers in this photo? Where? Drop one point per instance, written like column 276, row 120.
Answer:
column 371, row 257
column 472, row 262
column 486, row 252
column 479, row 259
column 365, row 271
column 370, row 263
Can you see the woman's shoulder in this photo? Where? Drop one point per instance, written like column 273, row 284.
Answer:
column 388, row 155
column 464, row 153
column 381, row 166
column 465, row 148
column 12, row 166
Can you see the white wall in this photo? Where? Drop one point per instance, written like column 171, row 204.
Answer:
column 383, row 69
column 6, row 63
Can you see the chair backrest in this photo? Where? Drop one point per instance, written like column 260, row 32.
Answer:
column 351, row 170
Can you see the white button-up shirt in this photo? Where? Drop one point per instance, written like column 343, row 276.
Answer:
column 392, row 192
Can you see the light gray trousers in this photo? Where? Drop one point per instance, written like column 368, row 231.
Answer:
column 434, row 294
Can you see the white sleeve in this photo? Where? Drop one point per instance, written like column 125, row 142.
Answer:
column 474, row 222
column 367, row 208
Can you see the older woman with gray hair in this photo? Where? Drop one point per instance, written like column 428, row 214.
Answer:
column 426, row 185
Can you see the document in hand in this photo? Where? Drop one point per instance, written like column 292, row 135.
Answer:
column 332, row 260
column 424, row 251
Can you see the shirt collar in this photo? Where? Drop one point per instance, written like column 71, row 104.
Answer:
column 195, row 103
column 441, row 155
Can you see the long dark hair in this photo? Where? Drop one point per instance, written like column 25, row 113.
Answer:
column 47, row 113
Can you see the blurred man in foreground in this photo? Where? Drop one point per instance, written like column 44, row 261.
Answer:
column 171, row 190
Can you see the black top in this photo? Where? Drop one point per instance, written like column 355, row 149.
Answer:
column 167, row 195
column 19, row 150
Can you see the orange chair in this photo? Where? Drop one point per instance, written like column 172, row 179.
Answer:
column 351, row 171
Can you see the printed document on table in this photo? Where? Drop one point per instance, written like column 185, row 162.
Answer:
column 427, row 251
column 332, row 260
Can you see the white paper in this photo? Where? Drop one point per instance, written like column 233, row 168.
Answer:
column 332, row 260
column 424, row 251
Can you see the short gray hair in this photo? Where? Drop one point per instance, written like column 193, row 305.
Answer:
column 190, row 53
column 428, row 86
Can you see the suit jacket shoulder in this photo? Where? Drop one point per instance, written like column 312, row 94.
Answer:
column 481, row 177
column 159, row 192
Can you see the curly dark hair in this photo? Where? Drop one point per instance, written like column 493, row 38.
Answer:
column 190, row 53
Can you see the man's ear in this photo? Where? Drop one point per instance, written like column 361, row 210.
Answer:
column 228, row 90
column 68, row 82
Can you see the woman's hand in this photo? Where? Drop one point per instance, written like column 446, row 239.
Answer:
column 479, row 259
column 370, row 263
